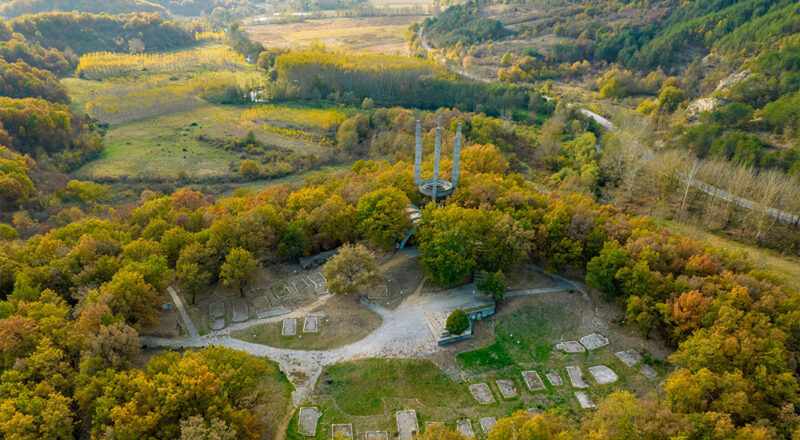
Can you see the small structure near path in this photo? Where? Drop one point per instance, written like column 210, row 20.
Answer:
column 239, row 311
column 648, row 372
column 307, row 421
column 311, row 324
column 216, row 311
column 481, row 393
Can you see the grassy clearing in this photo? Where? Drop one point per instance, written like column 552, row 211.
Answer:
column 786, row 267
column 359, row 387
column 345, row 321
column 366, row 34
column 161, row 147
column 517, row 336
column 367, row 393
column 279, row 391
column 524, row 336
column 121, row 100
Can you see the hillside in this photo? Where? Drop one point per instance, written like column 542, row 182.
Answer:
column 203, row 237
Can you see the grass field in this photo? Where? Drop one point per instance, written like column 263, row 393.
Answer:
column 517, row 336
column 369, row 34
column 278, row 389
column 162, row 146
column 359, row 387
column 345, row 321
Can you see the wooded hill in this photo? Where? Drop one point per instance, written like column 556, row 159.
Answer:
column 218, row 12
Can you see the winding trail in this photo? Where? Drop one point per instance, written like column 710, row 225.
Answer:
column 403, row 333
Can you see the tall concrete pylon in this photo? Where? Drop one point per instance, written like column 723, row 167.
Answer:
column 418, row 156
column 436, row 151
column 456, row 155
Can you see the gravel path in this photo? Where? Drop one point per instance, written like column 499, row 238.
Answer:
column 182, row 310
column 403, row 333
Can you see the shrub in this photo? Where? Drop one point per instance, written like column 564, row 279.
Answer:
column 249, row 169
column 457, row 322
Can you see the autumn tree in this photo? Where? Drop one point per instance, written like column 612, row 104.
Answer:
column 193, row 268
column 670, row 97
column 197, row 428
column 484, row 159
column 621, row 416
column 438, row 431
column 602, row 269
column 352, row 268
column 116, row 344
column 238, row 268
column 383, row 216
column 493, row 284
column 523, row 424
column 130, row 297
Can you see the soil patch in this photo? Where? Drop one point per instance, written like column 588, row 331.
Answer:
column 340, row 320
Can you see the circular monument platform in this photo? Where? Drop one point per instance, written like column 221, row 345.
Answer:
column 444, row 187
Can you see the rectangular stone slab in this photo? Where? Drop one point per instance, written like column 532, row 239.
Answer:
column 318, row 279
column 555, row 379
column 481, row 393
column 487, row 423
column 594, row 341
column 407, row 425
column 239, row 311
column 570, row 347
column 603, row 374
column 584, row 399
column 216, row 310
column 576, row 377
column 507, row 388
column 648, row 371
column 311, row 324
column 376, row 435
column 464, row 426
column 301, row 284
column 289, row 327
column 533, row 380
column 345, row 429
column 281, row 291
column 629, row 357
column 307, row 421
